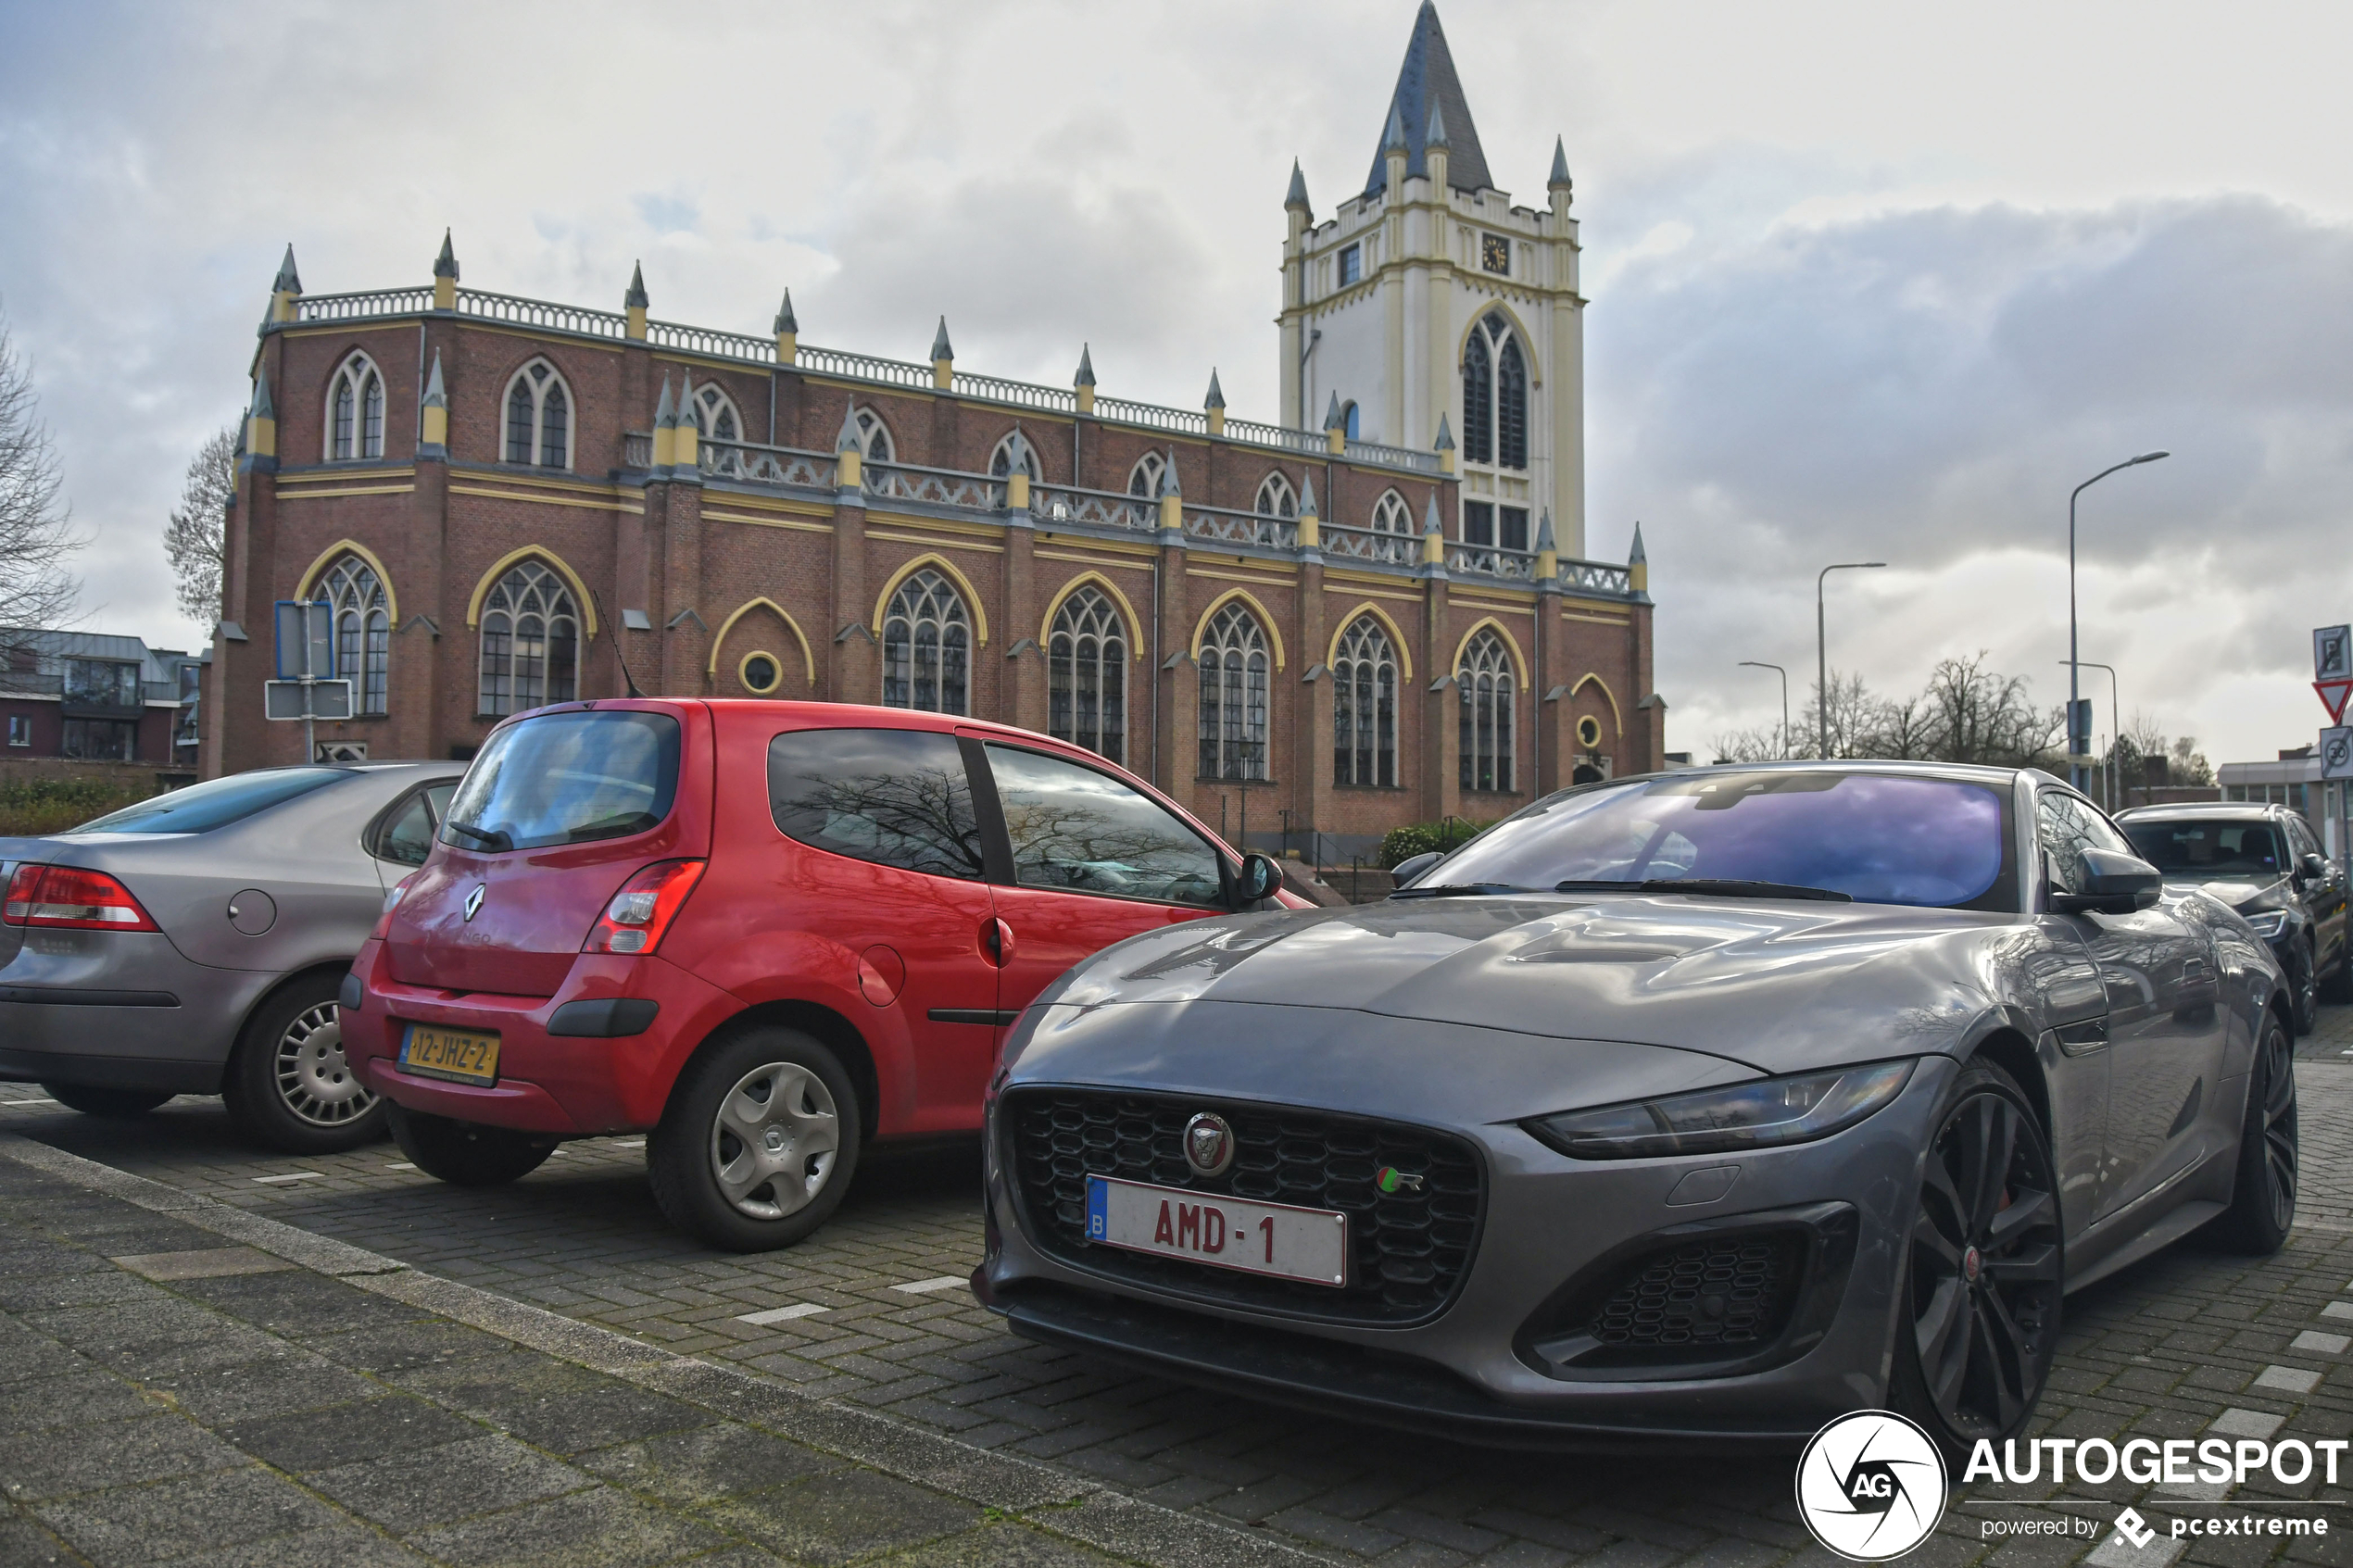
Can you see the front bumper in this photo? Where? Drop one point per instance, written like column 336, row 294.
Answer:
column 119, row 1009
column 557, row 1079
column 1484, row 1368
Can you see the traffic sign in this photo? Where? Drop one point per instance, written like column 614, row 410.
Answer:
column 2336, row 752
column 2333, row 695
column 298, row 622
column 306, row 699
column 2332, row 653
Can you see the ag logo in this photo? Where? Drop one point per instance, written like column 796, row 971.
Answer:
column 1870, row 1486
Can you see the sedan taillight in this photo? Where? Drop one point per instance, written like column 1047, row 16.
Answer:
column 642, row 910
column 72, row 898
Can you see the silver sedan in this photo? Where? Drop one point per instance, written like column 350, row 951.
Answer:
column 197, row 943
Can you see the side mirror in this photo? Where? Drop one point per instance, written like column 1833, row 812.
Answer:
column 2116, row 884
column 2312, row 868
column 1413, row 866
column 1257, row 881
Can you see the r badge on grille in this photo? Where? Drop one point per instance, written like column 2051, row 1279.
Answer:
column 1209, row 1144
column 473, row 899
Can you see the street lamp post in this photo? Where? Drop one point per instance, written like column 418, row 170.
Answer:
column 1760, row 664
column 1822, row 650
column 2074, row 675
column 2116, row 727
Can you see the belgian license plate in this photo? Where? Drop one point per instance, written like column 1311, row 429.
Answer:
column 458, row 1055
column 1226, row 1233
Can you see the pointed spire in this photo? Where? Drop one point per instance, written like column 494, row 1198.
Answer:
column 635, row 298
column 436, row 396
column 1085, row 376
column 847, row 441
column 784, row 322
column 1430, row 519
column 288, row 281
column 262, row 408
column 685, row 398
column 1216, row 398
column 445, row 264
column 666, row 411
column 1446, row 442
column 1426, row 81
column 1168, row 483
column 1333, row 418
column 1297, row 194
column 1434, row 134
column 940, row 347
column 1560, row 164
column 1018, row 449
column 1637, row 555
column 1393, row 137
column 1544, row 540
column 1307, row 495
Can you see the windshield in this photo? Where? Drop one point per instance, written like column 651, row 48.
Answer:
column 1880, row 838
column 567, row 778
column 217, row 803
column 2210, row 850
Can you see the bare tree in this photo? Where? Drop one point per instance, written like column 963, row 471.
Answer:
column 193, row 538
column 1854, row 715
column 37, row 537
column 1978, row 715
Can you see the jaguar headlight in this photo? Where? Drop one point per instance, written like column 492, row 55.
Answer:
column 2268, row 924
column 1761, row 1114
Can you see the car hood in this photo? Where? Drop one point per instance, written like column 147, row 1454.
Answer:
column 1777, row 985
column 2237, row 892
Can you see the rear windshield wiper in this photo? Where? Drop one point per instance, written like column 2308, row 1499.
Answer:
column 490, row 838
column 1741, row 887
column 611, row 827
column 1459, row 890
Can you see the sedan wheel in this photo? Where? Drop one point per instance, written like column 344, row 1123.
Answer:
column 1983, row 1297
column 758, row 1141
column 318, row 1087
column 288, row 1085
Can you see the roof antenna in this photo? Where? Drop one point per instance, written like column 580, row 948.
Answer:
column 618, row 658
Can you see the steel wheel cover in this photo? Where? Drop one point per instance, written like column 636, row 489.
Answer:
column 2278, row 1128
column 314, row 1084
column 1985, row 1267
column 774, row 1140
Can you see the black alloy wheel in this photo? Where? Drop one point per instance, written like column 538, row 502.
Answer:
column 2262, row 1206
column 1981, row 1299
column 2303, row 981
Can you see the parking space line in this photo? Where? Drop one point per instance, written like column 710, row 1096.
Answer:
column 2120, row 1553
column 924, row 1287
column 400, row 1165
column 291, row 1177
column 2337, row 1310
column 2237, row 1423
column 2312, row 1341
column 2287, row 1379
column 37, row 1099
column 782, row 1315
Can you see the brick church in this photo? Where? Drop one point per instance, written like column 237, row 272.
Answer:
column 1374, row 610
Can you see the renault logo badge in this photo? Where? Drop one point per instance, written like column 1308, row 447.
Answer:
column 1209, row 1144
column 473, row 899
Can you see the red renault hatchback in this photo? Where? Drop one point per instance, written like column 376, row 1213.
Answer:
column 764, row 934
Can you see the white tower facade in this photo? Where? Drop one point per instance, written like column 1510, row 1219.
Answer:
column 1431, row 311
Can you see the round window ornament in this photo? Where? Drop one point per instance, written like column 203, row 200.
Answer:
column 1588, row 730
column 761, row 673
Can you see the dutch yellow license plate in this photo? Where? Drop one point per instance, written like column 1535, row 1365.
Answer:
column 457, row 1055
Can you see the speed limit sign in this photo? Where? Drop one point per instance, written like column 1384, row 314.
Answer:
column 2336, row 752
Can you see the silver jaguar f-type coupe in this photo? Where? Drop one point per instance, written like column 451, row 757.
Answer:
column 1696, row 1107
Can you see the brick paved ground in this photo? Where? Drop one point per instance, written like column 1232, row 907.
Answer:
column 2167, row 1348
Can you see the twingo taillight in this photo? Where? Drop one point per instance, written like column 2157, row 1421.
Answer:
column 644, row 907
column 392, row 902
column 75, row 899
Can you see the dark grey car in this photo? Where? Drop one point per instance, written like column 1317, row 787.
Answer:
column 194, row 944
column 1696, row 1107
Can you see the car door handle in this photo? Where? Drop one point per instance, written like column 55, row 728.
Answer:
column 996, row 942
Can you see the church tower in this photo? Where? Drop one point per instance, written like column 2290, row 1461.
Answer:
column 1431, row 312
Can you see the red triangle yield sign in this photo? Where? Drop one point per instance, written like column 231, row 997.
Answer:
column 2333, row 695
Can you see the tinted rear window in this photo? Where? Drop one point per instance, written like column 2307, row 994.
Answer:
column 216, row 804
column 899, row 797
column 2211, row 850
column 567, row 778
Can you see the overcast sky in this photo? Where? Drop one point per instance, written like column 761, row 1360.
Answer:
column 1868, row 282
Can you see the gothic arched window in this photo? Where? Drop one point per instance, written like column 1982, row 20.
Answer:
column 1001, row 461
column 1391, row 515
column 1364, row 706
column 1144, row 478
column 530, row 642
column 1495, row 395
column 355, row 411
column 715, row 417
column 539, row 417
column 1087, row 675
column 363, row 631
column 1489, row 690
column 874, row 436
column 928, row 647
column 1233, row 696
column 1275, row 498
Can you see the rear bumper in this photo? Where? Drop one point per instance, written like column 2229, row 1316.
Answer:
column 120, row 1010
column 552, row 1076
